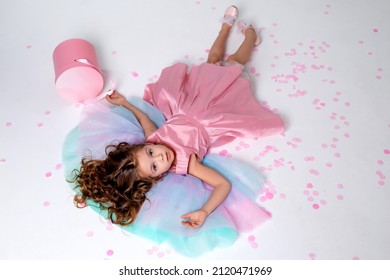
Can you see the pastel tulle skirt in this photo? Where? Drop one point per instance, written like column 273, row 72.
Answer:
column 159, row 218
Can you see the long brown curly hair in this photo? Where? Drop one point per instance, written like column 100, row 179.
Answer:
column 114, row 183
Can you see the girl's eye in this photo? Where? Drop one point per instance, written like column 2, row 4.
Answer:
column 150, row 152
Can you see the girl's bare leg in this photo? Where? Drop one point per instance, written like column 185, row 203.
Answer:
column 244, row 52
column 217, row 51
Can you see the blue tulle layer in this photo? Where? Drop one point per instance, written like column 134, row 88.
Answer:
column 159, row 219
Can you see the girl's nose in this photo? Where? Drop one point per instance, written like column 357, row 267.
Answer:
column 159, row 156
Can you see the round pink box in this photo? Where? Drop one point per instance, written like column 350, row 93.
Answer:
column 77, row 74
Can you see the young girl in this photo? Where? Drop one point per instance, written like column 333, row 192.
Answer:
column 205, row 108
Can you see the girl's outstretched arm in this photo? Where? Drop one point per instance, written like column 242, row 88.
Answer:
column 221, row 189
column 148, row 126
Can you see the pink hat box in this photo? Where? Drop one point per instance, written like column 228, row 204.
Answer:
column 77, row 74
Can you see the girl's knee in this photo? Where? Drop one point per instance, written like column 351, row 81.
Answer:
column 232, row 58
column 213, row 59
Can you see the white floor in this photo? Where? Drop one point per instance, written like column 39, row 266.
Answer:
column 323, row 66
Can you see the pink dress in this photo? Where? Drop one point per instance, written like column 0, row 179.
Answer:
column 208, row 107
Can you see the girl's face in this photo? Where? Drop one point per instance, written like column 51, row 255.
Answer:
column 154, row 160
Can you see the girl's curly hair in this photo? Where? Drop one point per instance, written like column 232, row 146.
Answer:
column 114, row 183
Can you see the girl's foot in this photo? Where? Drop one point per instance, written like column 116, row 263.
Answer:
column 243, row 26
column 230, row 16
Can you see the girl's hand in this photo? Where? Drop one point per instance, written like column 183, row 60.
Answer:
column 116, row 98
column 194, row 219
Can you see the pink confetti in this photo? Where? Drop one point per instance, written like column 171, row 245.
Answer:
column 375, row 30
column 8, row 124
column 225, row 153
column 314, row 172
column 135, row 74
column 244, row 145
column 58, row 166
column 40, row 124
column 160, row 254
column 380, row 174
column 312, row 256
column 28, row 46
column 263, row 199
column 387, row 152
column 48, row 174
column 110, row 252
column 309, row 186
column 316, row 206
column 251, row 238
column 90, row 233
column 46, row 203
column 3, row 160
column 309, row 158
column 269, row 195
